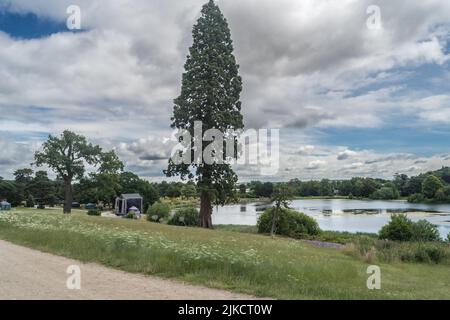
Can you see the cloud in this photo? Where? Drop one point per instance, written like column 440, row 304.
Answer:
column 314, row 165
column 13, row 156
column 344, row 155
column 305, row 64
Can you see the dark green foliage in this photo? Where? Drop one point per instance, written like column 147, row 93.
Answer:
column 9, row 191
column 263, row 190
column 149, row 193
column 187, row 217
column 424, row 231
column 174, row 190
column 430, row 253
column 385, row 193
column 94, row 212
column 242, row 189
column 391, row 251
column 431, row 185
column 158, row 211
column 67, row 155
column 416, row 198
column 401, row 228
column 30, row 202
column 130, row 215
column 43, row 189
column 189, row 191
column 210, row 93
column 290, row 223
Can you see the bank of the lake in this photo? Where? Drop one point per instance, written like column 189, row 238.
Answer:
column 344, row 215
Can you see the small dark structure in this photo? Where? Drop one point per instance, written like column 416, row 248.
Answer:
column 90, row 206
column 76, row 205
column 5, row 206
column 126, row 201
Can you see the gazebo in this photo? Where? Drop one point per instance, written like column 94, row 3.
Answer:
column 127, row 201
column 4, row 205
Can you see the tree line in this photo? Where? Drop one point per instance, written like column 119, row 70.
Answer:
column 34, row 188
column 433, row 186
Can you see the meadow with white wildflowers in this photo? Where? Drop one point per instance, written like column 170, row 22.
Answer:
column 247, row 263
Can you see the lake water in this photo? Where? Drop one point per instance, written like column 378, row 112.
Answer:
column 343, row 215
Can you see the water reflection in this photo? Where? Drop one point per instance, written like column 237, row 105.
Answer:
column 343, row 215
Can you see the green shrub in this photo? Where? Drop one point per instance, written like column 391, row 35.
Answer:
column 448, row 238
column 400, row 228
column 158, row 211
column 423, row 253
column 94, row 212
column 431, row 185
column 385, row 193
column 185, row 217
column 416, row 198
column 290, row 223
column 30, row 202
column 424, row 231
column 391, row 251
column 130, row 215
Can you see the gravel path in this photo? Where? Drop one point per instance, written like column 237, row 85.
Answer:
column 31, row 274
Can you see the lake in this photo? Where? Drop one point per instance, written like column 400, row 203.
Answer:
column 343, row 214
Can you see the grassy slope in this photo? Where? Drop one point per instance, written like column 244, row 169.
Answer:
column 253, row 264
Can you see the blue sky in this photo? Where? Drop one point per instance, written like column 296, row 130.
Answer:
column 29, row 25
column 342, row 95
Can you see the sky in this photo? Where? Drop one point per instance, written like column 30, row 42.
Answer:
column 348, row 99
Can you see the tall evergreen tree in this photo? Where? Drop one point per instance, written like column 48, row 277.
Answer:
column 211, row 88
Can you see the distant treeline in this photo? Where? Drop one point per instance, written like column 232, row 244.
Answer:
column 432, row 186
column 31, row 188
column 36, row 188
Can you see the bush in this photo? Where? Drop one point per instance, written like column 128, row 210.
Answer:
column 448, row 238
column 400, row 228
column 390, row 251
column 290, row 223
column 424, row 253
column 185, row 217
column 158, row 211
column 94, row 212
column 385, row 193
column 130, row 215
column 431, row 185
column 30, row 202
column 416, row 198
column 424, row 231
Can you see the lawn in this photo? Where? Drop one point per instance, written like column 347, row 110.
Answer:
column 243, row 262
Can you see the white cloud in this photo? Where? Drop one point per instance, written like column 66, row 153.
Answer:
column 301, row 62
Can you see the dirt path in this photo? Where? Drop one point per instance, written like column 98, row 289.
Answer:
column 31, row 274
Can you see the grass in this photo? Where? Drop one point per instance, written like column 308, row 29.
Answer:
column 243, row 262
column 237, row 228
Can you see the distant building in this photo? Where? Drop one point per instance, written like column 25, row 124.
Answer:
column 4, row 205
column 127, row 201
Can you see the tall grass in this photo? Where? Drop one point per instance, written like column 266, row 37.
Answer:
column 373, row 250
column 247, row 263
